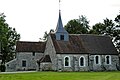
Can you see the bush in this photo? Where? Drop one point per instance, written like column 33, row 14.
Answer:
column 2, row 68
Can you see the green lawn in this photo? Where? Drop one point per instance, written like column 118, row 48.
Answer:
column 62, row 76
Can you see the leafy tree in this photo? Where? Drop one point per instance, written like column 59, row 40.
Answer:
column 117, row 33
column 46, row 35
column 105, row 28
column 117, row 20
column 98, row 28
column 84, row 22
column 8, row 38
column 109, row 28
column 78, row 26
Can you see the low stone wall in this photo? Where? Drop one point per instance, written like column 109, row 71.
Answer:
column 11, row 66
column 45, row 66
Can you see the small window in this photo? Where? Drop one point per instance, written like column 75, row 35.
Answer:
column 97, row 59
column 108, row 59
column 23, row 63
column 33, row 53
column 7, row 65
column 82, row 61
column 67, row 61
column 61, row 37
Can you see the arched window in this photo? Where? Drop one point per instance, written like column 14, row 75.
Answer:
column 82, row 61
column 108, row 59
column 67, row 61
column 97, row 59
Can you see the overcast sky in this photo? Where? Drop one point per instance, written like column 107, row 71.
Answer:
column 32, row 18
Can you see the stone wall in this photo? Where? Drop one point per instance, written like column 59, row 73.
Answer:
column 46, row 66
column 103, row 66
column 74, row 62
column 31, row 61
column 89, row 63
column 11, row 66
column 50, row 50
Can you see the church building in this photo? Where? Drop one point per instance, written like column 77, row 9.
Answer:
column 66, row 52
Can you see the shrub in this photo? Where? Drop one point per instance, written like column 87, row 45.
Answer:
column 2, row 68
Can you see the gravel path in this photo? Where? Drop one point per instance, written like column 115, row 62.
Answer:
column 17, row 72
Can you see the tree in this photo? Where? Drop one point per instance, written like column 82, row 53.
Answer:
column 46, row 35
column 109, row 28
column 8, row 39
column 78, row 26
column 117, row 33
column 105, row 28
column 98, row 28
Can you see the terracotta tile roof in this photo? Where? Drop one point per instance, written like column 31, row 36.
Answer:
column 23, row 46
column 91, row 44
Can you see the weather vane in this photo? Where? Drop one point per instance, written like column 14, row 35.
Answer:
column 59, row 5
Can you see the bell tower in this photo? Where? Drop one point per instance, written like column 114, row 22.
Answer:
column 60, row 32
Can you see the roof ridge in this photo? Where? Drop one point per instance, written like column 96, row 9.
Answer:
column 89, row 35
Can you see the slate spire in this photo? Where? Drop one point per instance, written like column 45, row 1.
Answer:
column 60, row 32
column 60, row 28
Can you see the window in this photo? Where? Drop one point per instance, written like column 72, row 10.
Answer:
column 61, row 37
column 7, row 65
column 67, row 61
column 33, row 53
column 82, row 61
column 108, row 59
column 97, row 59
column 23, row 63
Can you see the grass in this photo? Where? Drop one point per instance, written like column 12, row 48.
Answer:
column 62, row 76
